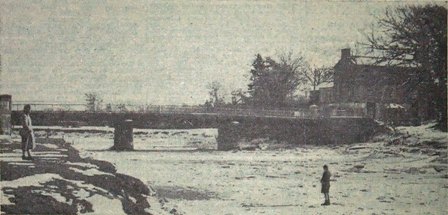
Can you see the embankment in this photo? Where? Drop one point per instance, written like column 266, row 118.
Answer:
column 59, row 181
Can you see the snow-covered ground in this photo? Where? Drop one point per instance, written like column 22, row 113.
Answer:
column 368, row 178
column 57, row 181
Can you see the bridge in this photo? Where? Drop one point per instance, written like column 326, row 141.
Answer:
column 233, row 124
column 163, row 109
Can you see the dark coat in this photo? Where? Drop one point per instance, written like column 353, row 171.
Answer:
column 325, row 181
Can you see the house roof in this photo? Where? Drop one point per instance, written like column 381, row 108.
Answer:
column 353, row 63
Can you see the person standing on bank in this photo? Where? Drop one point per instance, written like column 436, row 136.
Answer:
column 325, row 181
column 27, row 134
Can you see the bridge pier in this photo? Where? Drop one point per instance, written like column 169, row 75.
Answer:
column 123, row 136
column 228, row 136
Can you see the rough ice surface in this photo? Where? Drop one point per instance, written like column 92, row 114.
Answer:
column 425, row 132
column 367, row 177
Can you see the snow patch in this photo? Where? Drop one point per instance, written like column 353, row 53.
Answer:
column 33, row 180
column 14, row 157
column 50, row 146
column 81, row 193
column 394, row 106
column 57, row 196
column 104, row 205
column 87, row 165
column 89, row 172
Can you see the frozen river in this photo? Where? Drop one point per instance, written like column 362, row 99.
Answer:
column 205, row 181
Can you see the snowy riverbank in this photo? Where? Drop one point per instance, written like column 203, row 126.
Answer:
column 58, row 181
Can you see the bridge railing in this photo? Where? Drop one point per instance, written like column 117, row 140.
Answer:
column 172, row 109
column 50, row 106
column 259, row 112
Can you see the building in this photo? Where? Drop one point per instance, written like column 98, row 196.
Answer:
column 325, row 93
column 377, row 91
column 322, row 94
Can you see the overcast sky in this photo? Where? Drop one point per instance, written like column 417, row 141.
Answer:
column 163, row 52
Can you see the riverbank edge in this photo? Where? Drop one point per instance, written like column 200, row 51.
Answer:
column 56, row 157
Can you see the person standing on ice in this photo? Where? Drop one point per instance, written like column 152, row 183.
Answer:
column 325, row 181
column 27, row 134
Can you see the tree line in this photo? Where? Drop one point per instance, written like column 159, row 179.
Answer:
column 273, row 83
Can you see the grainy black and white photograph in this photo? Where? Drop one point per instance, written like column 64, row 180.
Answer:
column 223, row 107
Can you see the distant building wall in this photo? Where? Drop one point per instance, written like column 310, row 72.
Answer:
column 326, row 95
column 314, row 97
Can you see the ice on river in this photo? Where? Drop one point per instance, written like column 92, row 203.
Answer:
column 367, row 178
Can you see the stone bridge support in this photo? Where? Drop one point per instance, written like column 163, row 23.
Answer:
column 123, row 136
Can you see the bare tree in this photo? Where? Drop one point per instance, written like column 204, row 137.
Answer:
column 416, row 36
column 109, row 107
column 317, row 76
column 122, row 108
column 238, row 96
column 216, row 95
column 93, row 101
column 296, row 65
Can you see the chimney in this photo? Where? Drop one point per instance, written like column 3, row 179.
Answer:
column 345, row 54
